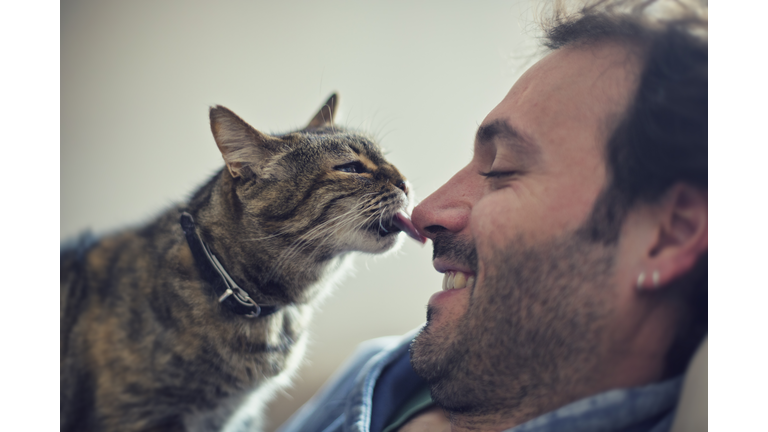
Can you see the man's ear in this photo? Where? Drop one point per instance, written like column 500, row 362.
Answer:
column 326, row 114
column 240, row 144
column 682, row 235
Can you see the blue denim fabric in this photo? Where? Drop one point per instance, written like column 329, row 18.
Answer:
column 345, row 403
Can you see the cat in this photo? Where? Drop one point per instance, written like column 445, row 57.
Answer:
column 174, row 325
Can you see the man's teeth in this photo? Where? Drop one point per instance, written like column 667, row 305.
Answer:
column 457, row 280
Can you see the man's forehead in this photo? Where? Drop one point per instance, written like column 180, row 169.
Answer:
column 569, row 89
column 610, row 66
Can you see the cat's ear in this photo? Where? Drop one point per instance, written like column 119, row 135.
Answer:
column 326, row 114
column 239, row 143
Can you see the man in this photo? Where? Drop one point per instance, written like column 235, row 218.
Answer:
column 574, row 247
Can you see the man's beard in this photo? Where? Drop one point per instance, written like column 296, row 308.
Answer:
column 530, row 337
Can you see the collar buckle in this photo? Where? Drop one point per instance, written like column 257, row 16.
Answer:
column 234, row 297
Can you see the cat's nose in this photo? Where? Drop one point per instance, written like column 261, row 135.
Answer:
column 402, row 185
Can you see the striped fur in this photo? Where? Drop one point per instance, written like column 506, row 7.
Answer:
column 144, row 344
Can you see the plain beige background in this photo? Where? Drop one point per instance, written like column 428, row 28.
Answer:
column 137, row 78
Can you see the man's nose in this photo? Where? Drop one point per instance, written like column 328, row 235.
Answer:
column 448, row 208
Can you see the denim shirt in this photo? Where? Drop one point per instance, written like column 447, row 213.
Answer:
column 348, row 402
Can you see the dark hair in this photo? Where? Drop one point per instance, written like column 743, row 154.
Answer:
column 662, row 139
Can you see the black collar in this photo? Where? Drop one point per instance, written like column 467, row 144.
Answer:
column 229, row 294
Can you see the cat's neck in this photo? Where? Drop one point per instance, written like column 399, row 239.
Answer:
column 250, row 255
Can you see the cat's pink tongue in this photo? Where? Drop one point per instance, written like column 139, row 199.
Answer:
column 403, row 221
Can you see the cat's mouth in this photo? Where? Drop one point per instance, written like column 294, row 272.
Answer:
column 400, row 222
column 384, row 229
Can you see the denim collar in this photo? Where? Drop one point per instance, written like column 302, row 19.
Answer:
column 647, row 408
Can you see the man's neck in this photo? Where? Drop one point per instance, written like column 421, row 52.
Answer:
column 461, row 423
column 436, row 420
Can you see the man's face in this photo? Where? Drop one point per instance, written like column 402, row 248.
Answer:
column 532, row 318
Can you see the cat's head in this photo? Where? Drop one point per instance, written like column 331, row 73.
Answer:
column 322, row 190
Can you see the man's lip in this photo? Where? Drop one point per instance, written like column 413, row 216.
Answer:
column 439, row 298
column 443, row 265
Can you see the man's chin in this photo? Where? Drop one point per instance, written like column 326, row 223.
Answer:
column 437, row 362
column 439, row 358
column 432, row 351
column 424, row 352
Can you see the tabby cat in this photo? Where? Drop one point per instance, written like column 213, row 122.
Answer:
column 176, row 324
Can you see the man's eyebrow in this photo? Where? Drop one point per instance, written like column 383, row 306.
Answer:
column 510, row 137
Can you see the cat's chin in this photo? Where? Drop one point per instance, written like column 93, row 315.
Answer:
column 375, row 243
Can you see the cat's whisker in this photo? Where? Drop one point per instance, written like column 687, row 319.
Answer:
column 316, row 232
column 308, row 235
column 348, row 222
column 381, row 216
column 305, row 235
column 279, row 233
column 356, row 208
column 324, row 233
column 287, row 228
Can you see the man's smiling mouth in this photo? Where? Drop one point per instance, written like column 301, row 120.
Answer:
column 457, row 280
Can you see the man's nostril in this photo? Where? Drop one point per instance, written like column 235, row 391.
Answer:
column 435, row 229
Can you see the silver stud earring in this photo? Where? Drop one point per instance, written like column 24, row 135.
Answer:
column 655, row 278
column 640, row 280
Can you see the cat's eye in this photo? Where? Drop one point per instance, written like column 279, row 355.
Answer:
column 352, row 167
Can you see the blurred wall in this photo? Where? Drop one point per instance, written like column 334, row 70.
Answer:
column 137, row 78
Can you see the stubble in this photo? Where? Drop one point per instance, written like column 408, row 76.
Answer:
column 531, row 336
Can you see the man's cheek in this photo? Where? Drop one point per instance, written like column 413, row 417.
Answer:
column 480, row 225
column 490, row 232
